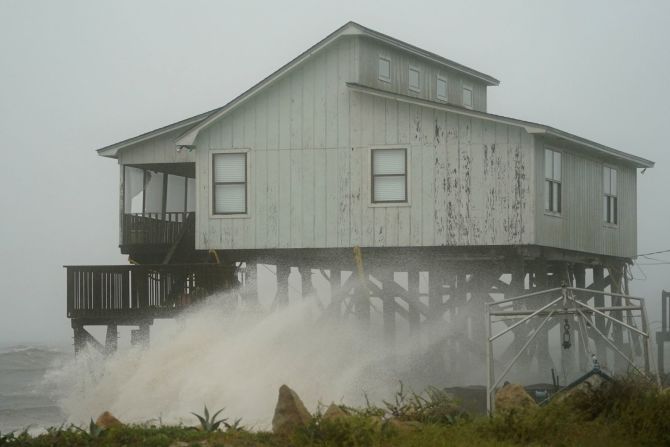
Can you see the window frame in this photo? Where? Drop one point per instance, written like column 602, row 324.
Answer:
column 385, row 203
column 608, row 196
column 212, row 184
column 468, row 86
column 416, row 69
column 379, row 74
column 551, row 181
column 444, row 98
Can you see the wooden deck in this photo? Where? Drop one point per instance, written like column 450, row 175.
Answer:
column 125, row 294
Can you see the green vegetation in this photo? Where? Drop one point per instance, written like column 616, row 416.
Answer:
column 207, row 423
column 625, row 412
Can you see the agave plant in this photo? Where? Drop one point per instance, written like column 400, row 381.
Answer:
column 208, row 423
column 93, row 430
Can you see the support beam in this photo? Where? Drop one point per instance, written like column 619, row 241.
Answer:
column 335, row 307
column 414, row 316
column 251, row 285
column 141, row 336
column 111, row 339
column 388, row 309
column 306, row 279
column 281, row 297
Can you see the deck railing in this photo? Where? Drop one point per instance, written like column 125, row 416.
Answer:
column 154, row 228
column 135, row 291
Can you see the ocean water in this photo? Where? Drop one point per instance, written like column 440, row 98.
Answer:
column 27, row 398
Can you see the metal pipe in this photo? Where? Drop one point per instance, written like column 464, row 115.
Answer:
column 647, row 346
column 584, row 336
column 489, row 363
column 593, row 309
column 523, row 348
column 600, row 292
column 571, row 311
column 613, row 346
column 545, row 307
column 520, row 297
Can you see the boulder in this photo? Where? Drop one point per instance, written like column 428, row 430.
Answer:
column 334, row 412
column 290, row 412
column 513, row 396
column 107, row 420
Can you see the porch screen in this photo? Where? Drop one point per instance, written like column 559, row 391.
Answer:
column 230, row 183
column 133, row 191
column 389, row 175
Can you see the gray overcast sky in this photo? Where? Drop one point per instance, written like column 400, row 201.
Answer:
column 78, row 75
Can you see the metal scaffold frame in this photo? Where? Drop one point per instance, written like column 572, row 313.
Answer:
column 570, row 302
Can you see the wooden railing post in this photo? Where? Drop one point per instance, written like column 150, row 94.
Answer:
column 70, row 291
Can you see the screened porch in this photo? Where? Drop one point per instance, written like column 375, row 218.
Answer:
column 158, row 204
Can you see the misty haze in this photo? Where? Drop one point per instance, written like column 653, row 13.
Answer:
column 420, row 217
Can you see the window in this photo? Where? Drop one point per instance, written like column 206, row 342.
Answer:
column 467, row 96
column 441, row 88
column 552, row 181
column 229, row 174
column 389, row 175
column 384, row 69
column 610, row 205
column 414, row 79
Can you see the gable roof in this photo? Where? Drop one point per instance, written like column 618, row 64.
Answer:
column 193, row 125
column 199, row 122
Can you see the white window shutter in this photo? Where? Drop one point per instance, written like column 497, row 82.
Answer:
column 230, row 168
column 230, row 188
column 389, row 172
column 388, row 161
column 230, row 199
column 390, row 189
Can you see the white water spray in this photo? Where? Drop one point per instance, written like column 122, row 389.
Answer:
column 236, row 361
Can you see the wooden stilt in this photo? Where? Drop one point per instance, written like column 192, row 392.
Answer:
column 251, row 285
column 281, row 297
column 111, row 339
column 414, row 316
column 335, row 293
column 306, row 278
column 141, row 336
column 388, row 310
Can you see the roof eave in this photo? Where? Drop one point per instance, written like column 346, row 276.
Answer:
column 531, row 128
column 112, row 150
column 638, row 162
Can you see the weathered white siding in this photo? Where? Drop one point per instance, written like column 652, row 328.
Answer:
column 371, row 50
column 309, row 139
column 297, row 131
column 160, row 149
column 581, row 225
column 469, row 179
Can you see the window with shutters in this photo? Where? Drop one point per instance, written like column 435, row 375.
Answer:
column 229, row 178
column 610, row 205
column 552, row 181
column 389, row 175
